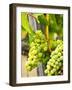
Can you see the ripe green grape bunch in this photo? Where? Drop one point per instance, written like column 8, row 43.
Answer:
column 38, row 51
column 55, row 63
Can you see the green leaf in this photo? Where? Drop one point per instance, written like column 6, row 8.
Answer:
column 56, row 24
column 53, row 24
column 42, row 20
column 25, row 23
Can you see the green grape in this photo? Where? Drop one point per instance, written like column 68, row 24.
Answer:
column 57, row 67
column 61, row 58
column 52, row 72
column 38, row 51
column 48, row 67
column 45, row 48
column 28, row 67
column 40, row 55
column 46, row 71
column 59, row 54
column 55, row 63
column 59, row 42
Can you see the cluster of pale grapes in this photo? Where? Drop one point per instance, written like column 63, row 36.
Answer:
column 38, row 51
column 55, row 63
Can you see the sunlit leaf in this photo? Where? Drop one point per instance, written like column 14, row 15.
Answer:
column 25, row 23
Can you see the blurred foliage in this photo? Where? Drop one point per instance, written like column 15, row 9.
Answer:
column 55, row 24
column 25, row 27
column 42, row 20
column 25, row 23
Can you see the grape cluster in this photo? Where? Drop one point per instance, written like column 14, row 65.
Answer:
column 38, row 51
column 55, row 63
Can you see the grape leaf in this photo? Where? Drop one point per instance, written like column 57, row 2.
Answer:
column 25, row 23
column 42, row 20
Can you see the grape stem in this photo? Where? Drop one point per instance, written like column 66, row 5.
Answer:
column 47, row 31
